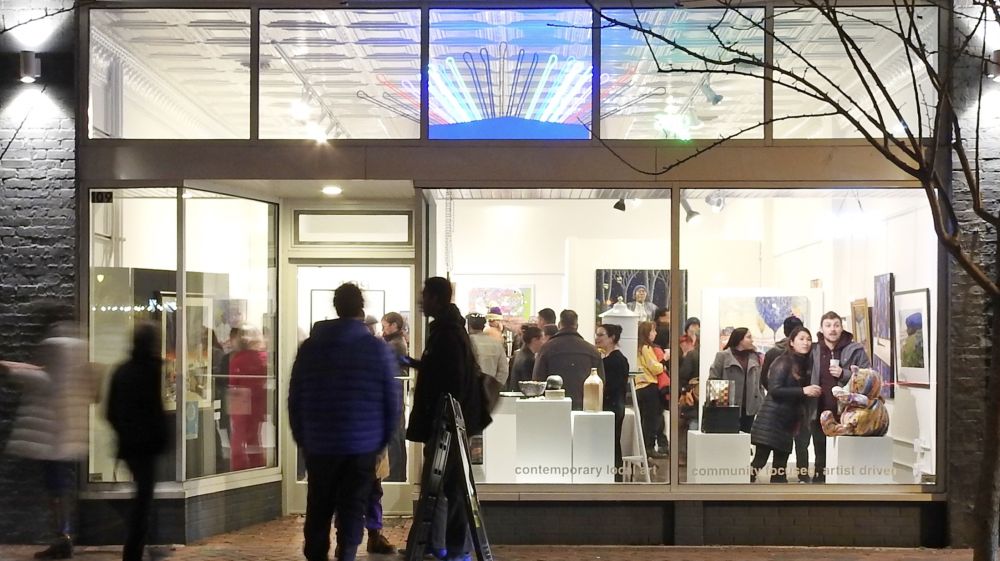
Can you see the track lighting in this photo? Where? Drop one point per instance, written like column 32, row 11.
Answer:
column 716, row 201
column 692, row 217
column 710, row 95
column 619, row 205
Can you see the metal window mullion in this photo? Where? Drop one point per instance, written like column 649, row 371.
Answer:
column 768, row 74
column 180, row 336
column 595, row 76
column 425, row 59
column 254, row 73
column 676, row 319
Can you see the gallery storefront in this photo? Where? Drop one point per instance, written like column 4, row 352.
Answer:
column 210, row 141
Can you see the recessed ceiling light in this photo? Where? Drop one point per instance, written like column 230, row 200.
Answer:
column 332, row 190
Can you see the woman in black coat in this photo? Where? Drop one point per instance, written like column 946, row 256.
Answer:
column 781, row 414
column 615, row 381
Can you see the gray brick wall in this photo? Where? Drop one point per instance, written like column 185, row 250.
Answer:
column 38, row 248
column 968, row 330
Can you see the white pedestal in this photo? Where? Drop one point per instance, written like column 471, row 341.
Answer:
column 718, row 458
column 859, row 459
column 544, row 441
column 593, row 447
column 499, row 449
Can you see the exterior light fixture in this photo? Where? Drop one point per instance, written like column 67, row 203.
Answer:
column 31, row 67
column 619, row 205
column 716, row 201
column 332, row 190
column 992, row 66
column 692, row 217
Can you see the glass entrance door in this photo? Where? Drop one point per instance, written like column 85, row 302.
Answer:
column 386, row 288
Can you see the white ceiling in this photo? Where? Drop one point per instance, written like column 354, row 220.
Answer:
column 357, row 71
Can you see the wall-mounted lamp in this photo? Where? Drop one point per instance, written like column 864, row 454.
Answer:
column 993, row 66
column 31, row 67
column 619, row 205
column 691, row 216
column 716, row 201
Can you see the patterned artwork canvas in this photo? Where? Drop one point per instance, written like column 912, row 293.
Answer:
column 514, row 302
column 882, row 347
column 764, row 316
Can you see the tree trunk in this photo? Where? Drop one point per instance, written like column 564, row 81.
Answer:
column 987, row 508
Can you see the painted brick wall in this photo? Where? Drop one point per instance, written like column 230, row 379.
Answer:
column 38, row 242
column 968, row 333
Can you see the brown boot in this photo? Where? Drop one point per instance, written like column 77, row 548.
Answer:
column 378, row 543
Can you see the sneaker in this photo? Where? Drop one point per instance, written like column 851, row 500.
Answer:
column 378, row 543
column 819, row 479
column 428, row 553
column 62, row 548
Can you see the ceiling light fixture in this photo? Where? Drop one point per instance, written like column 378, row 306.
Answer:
column 619, row 205
column 332, row 190
column 716, row 201
column 31, row 67
column 993, row 66
column 692, row 217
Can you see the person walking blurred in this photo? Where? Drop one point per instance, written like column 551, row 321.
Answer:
column 135, row 412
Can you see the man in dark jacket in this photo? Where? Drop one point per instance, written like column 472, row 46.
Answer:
column 447, row 366
column 135, row 412
column 343, row 406
column 569, row 355
column 831, row 360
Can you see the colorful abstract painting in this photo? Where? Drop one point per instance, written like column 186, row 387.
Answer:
column 514, row 302
column 764, row 316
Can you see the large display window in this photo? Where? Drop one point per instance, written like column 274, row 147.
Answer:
column 512, row 259
column 218, row 382
column 854, row 401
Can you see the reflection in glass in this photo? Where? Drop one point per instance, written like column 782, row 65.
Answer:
column 518, row 74
column 638, row 101
column 340, row 74
column 170, row 74
column 813, row 38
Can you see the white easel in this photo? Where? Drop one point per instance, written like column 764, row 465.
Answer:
column 640, row 459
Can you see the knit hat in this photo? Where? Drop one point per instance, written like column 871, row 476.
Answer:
column 495, row 314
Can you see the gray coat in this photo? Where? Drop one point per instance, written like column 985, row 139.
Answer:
column 569, row 355
column 726, row 367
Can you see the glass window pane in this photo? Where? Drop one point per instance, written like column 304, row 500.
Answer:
column 170, row 74
column 230, row 402
column 600, row 258
column 638, row 101
column 812, row 36
column 344, row 227
column 340, row 74
column 133, row 277
column 764, row 256
column 517, row 74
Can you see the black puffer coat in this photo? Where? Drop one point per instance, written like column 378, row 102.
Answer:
column 783, row 410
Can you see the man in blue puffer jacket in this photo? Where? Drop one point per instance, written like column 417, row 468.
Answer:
column 343, row 406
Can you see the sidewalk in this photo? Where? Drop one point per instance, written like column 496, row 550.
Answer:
column 281, row 540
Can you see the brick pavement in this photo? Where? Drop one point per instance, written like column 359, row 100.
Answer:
column 281, row 540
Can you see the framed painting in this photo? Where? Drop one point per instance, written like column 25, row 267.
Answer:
column 882, row 327
column 912, row 341
column 861, row 324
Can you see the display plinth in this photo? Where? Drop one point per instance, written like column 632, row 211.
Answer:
column 544, row 441
column 499, row 440
column 718, row 457
column 593, row 447
column 859, row 459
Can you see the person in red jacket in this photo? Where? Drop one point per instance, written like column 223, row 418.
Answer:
column 247, row 399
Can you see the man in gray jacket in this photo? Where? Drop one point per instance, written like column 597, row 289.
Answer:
column 489, row 351
column 832, row 358
column 570, row 356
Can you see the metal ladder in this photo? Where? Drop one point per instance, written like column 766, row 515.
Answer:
column 449, row 426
